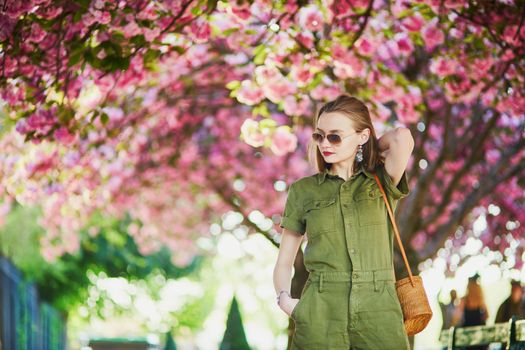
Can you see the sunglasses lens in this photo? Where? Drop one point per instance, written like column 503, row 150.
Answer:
column 334, row 138
column 317, row 137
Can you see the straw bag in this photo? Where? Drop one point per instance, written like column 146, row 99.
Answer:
column 410, row 290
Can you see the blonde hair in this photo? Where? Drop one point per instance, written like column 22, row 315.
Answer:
column 474, row 296
column 357, row 111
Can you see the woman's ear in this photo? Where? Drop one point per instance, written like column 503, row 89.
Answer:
column 365, row 135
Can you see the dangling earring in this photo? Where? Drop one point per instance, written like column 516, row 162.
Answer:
column 359, row 155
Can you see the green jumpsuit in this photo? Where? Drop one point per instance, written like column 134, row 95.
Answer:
column 349, row 300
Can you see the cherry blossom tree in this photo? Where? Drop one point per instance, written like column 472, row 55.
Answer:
column 178, row 111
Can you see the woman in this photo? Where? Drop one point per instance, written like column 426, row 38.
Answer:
column 349, row 300
column 472, row 310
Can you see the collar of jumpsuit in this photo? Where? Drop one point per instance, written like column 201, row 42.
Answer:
column 321, row 176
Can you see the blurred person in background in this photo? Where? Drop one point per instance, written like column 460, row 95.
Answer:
column 513, row 305
column 472, row 310
column 448, row 310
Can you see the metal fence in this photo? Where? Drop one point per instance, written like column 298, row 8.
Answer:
column 25, row 322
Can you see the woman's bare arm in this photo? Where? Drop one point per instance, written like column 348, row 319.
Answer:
column 282, row 273
column 397, row 146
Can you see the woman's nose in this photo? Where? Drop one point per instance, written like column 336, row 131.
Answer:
column 325, row 142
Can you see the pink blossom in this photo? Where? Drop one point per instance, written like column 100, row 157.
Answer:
column 152, row 34
column 310, row 18
column 365, row 47
column 200, row 30
column 404, row 43
column 114, row 113
column 37, row 33
column 41, row 165
column 242, row 12
column 283, row 141
column 413, row 23
column 301, row 74
column 42, row 120
column 98, row 16
column 432, row 35
column 293, row 107
column 22, row 127
column 131, row 29
column 306, row 39
column 49, row 12
column 63, row 136
column 264, row 74
column 251, row 134
column 277, row 89
column 383, row 113
column 406, row 110
column 442, row 66
column 249, row 93
column 325, row 93
column 350, row 67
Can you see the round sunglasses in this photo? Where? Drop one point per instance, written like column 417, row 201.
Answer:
column 334, row 139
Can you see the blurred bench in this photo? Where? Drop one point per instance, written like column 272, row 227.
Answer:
column 512, row 334
column 120, row 344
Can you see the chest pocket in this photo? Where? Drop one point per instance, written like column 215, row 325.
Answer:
column 371, row 209
column 320, row 216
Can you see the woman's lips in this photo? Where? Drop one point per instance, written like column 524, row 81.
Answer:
column 327, row 153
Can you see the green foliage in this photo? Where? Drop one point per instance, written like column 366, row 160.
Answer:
column 65, row 282
column 170, row 343
column 113, row 252
column 234, row 337
column 19, row 238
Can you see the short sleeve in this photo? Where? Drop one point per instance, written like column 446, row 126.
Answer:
column 293, row 218
column 396, row 192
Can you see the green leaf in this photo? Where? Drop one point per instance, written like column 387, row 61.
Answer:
column 267, row 123
column 91, row 59
column 138, row 40
column 211, row 6
column 389, row 33
column 234, row 84
column 76, row 56
column 118, row 37
column 150, row 57
column 196, row 11
column 77, row 17
column 404, row 13
column 259, row 54
column 230, row 31
column 104, row 118
column 65, row 114
column 259, row 58
column 84, row 4
column 179, row 49
column 258, row 49
column 115, row 63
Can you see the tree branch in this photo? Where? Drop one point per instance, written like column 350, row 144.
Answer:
column 477, row 150
column 489, row 183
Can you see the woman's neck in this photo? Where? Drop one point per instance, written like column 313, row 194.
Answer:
column 343, row 170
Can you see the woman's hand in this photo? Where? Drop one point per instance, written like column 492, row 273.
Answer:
column 287, row 304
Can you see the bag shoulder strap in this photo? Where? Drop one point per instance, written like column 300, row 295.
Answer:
column 398, row 237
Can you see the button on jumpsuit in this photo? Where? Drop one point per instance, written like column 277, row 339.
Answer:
column 349, row 300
